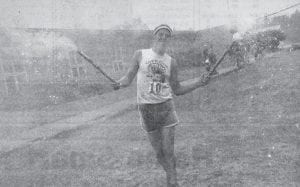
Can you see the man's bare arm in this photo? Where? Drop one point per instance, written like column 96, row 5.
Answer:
column 132, row 70
column 181, row 88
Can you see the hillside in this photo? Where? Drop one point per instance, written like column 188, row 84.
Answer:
column 266, row 91
column 241, row 130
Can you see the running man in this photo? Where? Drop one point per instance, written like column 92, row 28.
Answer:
column 157, row 81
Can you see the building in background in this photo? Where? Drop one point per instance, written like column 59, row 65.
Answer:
column 13, row 75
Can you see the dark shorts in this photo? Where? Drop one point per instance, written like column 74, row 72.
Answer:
column 156, row 116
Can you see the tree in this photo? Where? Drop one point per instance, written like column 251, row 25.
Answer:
column 283, row 21
column 295, row 20
column 278, row 34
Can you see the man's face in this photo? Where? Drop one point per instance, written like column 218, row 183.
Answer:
column 162, row 36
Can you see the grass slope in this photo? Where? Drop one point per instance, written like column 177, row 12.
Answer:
column 239, row 131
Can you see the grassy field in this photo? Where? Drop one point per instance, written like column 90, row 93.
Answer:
column 242, row 130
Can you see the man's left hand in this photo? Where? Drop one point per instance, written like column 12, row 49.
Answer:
column 205, row 78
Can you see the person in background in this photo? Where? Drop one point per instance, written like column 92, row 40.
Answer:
column 236, row 52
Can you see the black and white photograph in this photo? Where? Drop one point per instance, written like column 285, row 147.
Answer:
column 149, row 93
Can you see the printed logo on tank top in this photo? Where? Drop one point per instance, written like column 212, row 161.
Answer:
column 156, row 72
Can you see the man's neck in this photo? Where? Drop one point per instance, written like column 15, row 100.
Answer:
column 158, row 50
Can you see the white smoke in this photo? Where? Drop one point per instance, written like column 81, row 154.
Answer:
column 38, row 43
column 243, row 24
column 246, row 24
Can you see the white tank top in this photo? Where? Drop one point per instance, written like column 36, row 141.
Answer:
column 153, row 77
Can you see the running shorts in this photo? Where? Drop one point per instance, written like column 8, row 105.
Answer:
column 156, row 116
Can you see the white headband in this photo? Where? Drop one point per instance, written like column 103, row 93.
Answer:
column 163, row 26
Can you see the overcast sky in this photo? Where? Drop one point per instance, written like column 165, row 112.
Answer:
column 104, row 14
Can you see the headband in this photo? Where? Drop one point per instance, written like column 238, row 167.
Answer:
column 163, row 26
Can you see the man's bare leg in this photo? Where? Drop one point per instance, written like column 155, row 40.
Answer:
column 168, row 134
column 156, row 142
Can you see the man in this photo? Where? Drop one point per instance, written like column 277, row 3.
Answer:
column 236, row 52
column 157, row 81
column 260, row 45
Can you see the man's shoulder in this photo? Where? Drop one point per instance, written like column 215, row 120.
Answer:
column 173, row 62
column 169, row 56
column 148, row 49
column 140, row 52
column 137, row 56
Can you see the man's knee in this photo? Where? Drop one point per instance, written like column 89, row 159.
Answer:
column 160, row 155
column 168, row 154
